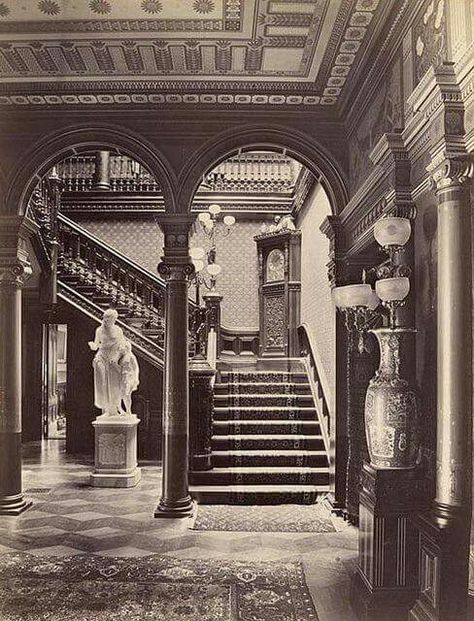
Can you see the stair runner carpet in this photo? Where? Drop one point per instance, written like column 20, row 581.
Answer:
column 267, row 446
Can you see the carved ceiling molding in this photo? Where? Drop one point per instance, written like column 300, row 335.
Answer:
column 300, row 51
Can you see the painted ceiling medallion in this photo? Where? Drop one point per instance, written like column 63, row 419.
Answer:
column 152, row 6
column 4, row 10
column 203, row 6
column 48, row 7
column 100, row 6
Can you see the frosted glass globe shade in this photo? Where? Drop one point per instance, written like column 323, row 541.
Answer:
column 196, row 252
column 204, row 217
column 214, row 209
column 229, row 220
column 352, row 295
column 392, row 231
column 392, row 289
column 373, row 301
column 198, row 264
column 214, row 269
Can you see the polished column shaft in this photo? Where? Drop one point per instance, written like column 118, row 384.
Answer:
column 176, row 268
column 14, row 268
column 454, row 433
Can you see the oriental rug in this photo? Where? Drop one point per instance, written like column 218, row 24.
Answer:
column 154, row 588
column 265, row 518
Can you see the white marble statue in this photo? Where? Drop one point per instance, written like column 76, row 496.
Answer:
column 129, row 376
column 115, row 367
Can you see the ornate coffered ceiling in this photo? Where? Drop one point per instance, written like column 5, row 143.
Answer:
column 182, row 51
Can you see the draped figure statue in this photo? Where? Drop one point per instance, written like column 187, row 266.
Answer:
column 115, row 367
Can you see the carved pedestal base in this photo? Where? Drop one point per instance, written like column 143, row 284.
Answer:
column 385, row 585
column 201, row 408
column 444, row 567
column 115, row 452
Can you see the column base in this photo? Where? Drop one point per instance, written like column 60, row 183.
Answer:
column 175, row 509
column 380, row 604
column 443, row 565
column 14, row 505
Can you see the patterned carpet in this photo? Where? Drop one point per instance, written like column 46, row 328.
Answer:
column 260, row 518
column 157, row 588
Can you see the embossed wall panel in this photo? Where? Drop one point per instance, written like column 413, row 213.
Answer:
column 141, row 240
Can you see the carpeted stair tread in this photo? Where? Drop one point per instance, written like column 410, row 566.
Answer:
column 262, row 489
column 264, row 407
column 273, row 436
column 273, row 469
column 269, row 452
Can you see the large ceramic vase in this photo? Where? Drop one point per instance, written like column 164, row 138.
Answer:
column 391, row 410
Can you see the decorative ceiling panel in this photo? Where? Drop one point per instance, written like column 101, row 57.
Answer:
column 282, row 46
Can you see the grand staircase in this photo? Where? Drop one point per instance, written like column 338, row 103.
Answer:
column 267, row 442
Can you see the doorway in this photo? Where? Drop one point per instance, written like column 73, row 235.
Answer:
column 54, row 381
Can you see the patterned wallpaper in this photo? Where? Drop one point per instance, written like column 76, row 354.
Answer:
column 141, row 240
column 316, row 305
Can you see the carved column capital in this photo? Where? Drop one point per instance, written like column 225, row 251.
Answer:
column 15, row 270
column 176, row 272
column 449, row 172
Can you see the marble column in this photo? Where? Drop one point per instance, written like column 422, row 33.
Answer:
column 176, row 268
column 102, row 171
column 14, row 270
column 444, row 533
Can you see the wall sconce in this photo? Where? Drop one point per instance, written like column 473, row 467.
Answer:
column 360, row 303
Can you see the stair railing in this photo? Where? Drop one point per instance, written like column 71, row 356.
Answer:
column 318, row 380
column 140, row 293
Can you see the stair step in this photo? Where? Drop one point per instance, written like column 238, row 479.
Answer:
column 288, row 414
column 294, row 377
column 225, row 427
column 259, row 476
column 265, row 457
column 257, row 494
column 262, row 400
column 243, row 442
column 241, row 388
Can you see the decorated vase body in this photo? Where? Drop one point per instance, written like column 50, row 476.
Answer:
column 391, row 412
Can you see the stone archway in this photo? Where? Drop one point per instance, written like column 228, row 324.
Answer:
column 15, row 268
column 54, row 147
column 271, row 138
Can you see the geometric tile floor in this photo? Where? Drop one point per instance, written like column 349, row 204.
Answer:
column 69, row 517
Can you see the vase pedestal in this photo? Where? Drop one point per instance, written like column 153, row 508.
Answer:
column 115, row 452
column 385, row 585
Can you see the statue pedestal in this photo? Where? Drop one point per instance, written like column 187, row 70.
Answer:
column 115, row 452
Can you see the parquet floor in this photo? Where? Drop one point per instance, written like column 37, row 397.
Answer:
column 70, row 517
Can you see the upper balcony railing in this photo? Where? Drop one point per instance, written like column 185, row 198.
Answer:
column 121, row 173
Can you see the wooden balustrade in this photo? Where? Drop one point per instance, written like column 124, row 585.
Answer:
column 78, row 174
